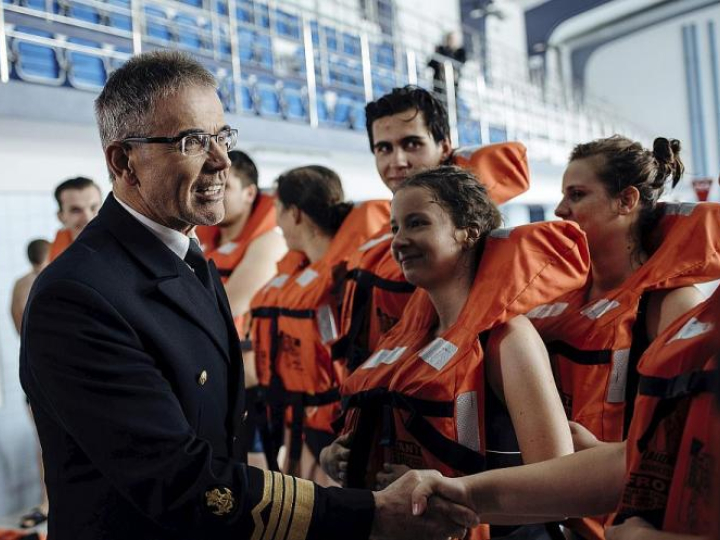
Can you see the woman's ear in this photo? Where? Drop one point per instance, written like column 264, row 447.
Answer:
column 628, row 200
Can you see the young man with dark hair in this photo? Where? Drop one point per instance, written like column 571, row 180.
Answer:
column 78, row 202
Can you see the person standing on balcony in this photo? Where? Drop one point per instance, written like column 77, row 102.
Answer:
column 450, row 49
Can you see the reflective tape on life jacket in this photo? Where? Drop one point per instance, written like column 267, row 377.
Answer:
column 376, row 291
column 671, row 456
column 595, row 345
column 228, row 256
column 431, row 391
column 62, row 241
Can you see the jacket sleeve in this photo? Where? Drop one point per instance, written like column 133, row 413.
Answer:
column 87, row 370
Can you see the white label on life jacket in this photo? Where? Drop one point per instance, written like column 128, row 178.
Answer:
column 547, row 310
column 691, row 329
column 278, row 281
column 384, row 356
column 326, row 324
column 502, row 233
column 599, row 308
column 228, row 248
column 307, row 277
column 438, row 353
column 468, row 424
column 375, row 241
column 679, row 209
column 618, row 377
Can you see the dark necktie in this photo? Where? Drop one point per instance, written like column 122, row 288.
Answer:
column 196, row 261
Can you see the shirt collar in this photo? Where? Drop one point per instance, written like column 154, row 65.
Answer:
column 176, row 241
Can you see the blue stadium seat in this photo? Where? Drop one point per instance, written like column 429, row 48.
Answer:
column 331, row 40
column 343, row 110
column 267, row 93
column 221, row 7
column 294, row 102
column 248, row 101
column 244, row 12
column 156, row 24
column 189, row 29
column 120, row 19
column 315, row 33
column 383, row 55
column 358, row 115
column 33, row 4
column 287, row 24
column 83, row 12
column 469, row 132
column 196, row 3
column 262, row 47
column 35, row 62
column 322, row 111
column 246, row 38
column 262, row 15
column 351, row 45
column 86, row 71
column 497, row 134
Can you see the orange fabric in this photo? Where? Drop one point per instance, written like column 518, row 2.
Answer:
column 228, row 256
column 62, row 241
column 261, row 306
column 376, row 292
column 671, row 461
column 520, row 268
column 297, row 307
column 594, row 390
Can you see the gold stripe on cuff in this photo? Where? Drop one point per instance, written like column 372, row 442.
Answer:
column 304, row 504
column 259, row 507
column 287, row 510
column 277, row 500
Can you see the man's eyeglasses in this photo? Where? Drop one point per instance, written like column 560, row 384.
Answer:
column 194, row 144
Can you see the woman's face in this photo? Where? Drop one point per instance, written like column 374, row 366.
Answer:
column 426, row 243
column 587, row 202
column 286, row 221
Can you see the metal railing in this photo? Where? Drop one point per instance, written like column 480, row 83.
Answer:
column 245, row 42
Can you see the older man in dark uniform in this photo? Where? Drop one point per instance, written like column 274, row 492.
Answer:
column 129, row 352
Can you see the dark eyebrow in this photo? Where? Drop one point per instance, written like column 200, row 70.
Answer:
column 195, row 131
column 380, row 143
column 411, row 138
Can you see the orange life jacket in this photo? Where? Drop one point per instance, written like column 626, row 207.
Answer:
column 376, row 291
column 229, row 255
column 423, row 399
column 301, row 373
column 671, row 458
column 62, row 241
column 595, row 345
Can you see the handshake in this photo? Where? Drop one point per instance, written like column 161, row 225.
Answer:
column 423, row 504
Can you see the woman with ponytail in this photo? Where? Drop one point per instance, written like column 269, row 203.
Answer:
column 295, row 367
column 645, row 257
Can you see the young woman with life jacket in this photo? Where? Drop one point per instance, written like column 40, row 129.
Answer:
column 660, row 481
column 646, row 256
column 463, row 372
column 299, row 375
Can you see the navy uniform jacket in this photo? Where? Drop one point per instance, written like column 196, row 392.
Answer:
column 135, row 378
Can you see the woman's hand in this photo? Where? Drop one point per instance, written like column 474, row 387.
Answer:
column 634, row 528
column 334, row 459
column 389, row 474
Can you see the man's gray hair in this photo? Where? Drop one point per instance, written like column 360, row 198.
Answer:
column 130, row 94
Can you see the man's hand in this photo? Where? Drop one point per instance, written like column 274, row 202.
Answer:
column 389, row 474
column 334, row 459
column 394, row 516
column 632, row 528
column 452, row 489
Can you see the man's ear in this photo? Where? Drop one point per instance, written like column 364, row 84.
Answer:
column 447, row 149
column 628, row 200
column 119, row 163
column 60, row 217
column 296, row 214
column 251, row 193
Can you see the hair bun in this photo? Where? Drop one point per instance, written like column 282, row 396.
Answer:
column 337, row 213
column 666, row 153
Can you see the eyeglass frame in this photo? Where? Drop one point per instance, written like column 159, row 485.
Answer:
column 181, row 139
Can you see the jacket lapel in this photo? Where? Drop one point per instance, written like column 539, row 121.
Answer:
column 173, row 279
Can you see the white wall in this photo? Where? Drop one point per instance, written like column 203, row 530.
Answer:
column 643, row 77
